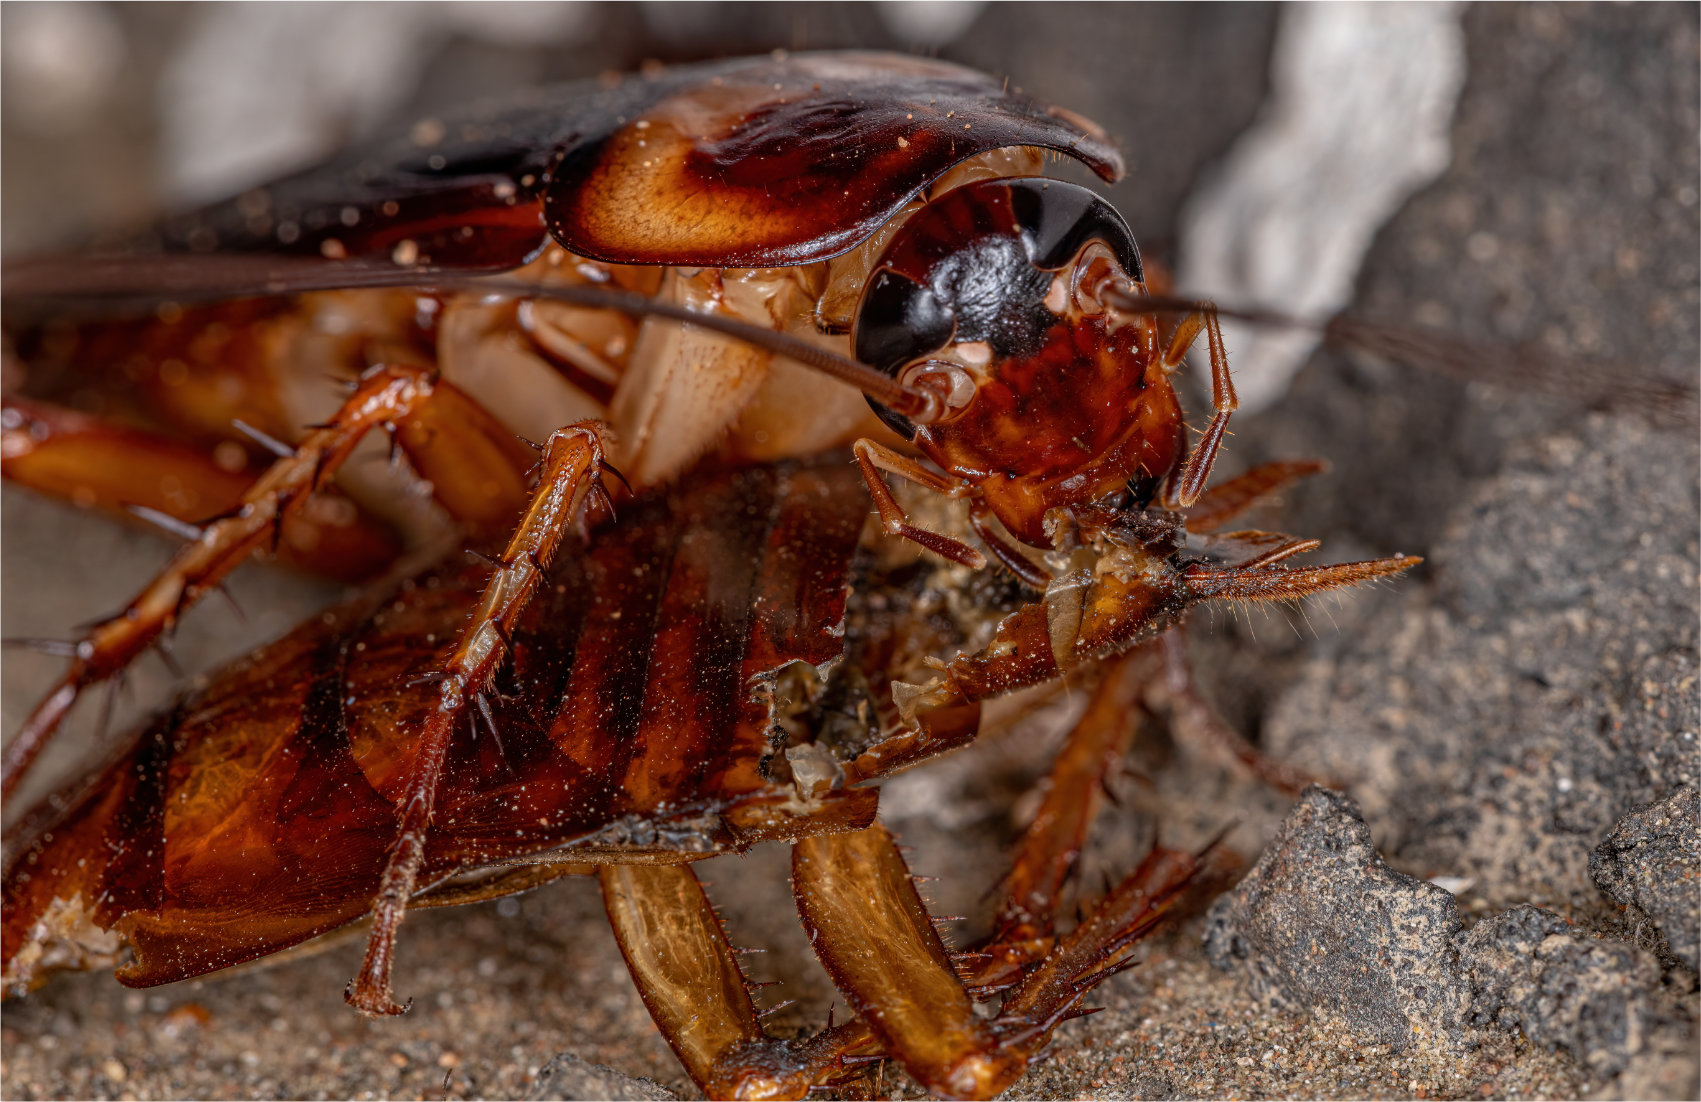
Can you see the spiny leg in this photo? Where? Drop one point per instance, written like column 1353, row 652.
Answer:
column 1286, row 583
column 384, row 395
column 1031, row 574
column 572, row 468
column 1050, row 993
column 1193, row 720
column 1043, row 976
column 97, row 463
column 1191, row 716
column 1186, row 487
column 1227, row 500
column 873, row 458
column 687, row 971
column 688, row 975
column 873, row 934
column 1050, row 847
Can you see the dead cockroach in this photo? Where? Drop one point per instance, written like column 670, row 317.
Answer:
column 623, row 271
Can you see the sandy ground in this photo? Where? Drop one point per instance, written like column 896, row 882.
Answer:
column 1567, row 220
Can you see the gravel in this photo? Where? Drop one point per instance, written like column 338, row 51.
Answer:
column 567, row 1076
column 1322, row 923
column 1651, row 863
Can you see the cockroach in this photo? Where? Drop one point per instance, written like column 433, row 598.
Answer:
column 687, row 287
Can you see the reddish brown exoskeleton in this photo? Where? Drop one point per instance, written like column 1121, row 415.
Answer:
column 660, row 249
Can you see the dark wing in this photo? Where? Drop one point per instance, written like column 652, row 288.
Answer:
column 763, row 162
column 259, row 812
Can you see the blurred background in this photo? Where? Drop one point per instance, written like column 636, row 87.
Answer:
column 1506, row 176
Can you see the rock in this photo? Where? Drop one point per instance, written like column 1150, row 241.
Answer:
column 1596, row 998
column 569, row 1077
column 1530, row 970
column 1497, row 726
column 1652, row 862
column 1322, row 921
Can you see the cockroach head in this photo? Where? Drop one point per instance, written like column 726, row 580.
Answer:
column 982, row 275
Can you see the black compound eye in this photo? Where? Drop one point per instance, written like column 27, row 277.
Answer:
column 1059, row 219
column 899, row 321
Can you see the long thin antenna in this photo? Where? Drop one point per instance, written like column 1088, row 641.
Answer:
column 920, row 406
column 1596, row 384
column 122, row 282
